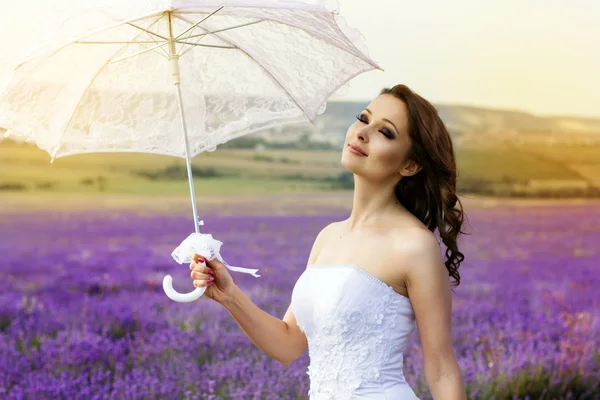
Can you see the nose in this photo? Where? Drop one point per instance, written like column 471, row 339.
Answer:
column 361, row 134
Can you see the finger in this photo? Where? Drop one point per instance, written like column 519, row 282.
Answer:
column 202, row 283
column 200, row 275
column 202, row 268
column 198, row 258
column 200, row 262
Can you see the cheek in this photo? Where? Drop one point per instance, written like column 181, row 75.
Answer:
column 389, row 157
column 351, row 130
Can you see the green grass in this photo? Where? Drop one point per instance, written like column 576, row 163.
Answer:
column 31, row 167
column 271, row 171
column 517, row 164
column 227, row 185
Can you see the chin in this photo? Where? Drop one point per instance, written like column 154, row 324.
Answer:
column 350, row 166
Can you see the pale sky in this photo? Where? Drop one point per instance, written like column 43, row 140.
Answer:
column 540, row 56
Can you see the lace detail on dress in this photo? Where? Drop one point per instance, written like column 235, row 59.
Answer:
column 351, row 345
column 341, row 356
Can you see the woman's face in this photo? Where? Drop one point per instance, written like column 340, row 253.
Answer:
column 381, row 132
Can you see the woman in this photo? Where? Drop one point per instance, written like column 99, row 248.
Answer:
column 374, row 276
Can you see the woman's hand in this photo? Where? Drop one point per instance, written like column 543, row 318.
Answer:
column 220, row 287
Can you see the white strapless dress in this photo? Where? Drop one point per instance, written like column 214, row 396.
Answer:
column 357, row 328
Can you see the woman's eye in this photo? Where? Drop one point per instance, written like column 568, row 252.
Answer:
column 387, row 133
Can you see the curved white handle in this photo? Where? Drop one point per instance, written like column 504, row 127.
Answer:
column 181, row 297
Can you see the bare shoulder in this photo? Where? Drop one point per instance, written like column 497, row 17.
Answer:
column 415, row 240
column 327, row 232
column 320, row 241
column 421, row 255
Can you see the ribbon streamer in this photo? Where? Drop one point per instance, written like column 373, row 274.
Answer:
column 208, row 247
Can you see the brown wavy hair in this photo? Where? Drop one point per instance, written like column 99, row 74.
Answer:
column 430, row 194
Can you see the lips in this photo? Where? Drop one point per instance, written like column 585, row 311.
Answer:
column 357, row 149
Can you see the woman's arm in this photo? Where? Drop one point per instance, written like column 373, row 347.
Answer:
column 279, row 339
column 430, row 295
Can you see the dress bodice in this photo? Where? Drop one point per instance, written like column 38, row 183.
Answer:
column 357, row 328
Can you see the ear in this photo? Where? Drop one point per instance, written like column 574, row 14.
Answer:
column 410, row 168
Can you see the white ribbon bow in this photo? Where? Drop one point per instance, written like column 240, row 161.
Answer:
column 208, row 247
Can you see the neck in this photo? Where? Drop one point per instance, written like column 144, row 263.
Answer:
column 373, row 204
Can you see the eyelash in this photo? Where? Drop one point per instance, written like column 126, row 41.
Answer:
column 387, row 135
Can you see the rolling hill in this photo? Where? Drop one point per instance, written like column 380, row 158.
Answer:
column 499, row 152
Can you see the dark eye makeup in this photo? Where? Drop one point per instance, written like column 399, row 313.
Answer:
column 362, row 118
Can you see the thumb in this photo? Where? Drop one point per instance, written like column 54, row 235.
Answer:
column 196, row 257
column 215, row 264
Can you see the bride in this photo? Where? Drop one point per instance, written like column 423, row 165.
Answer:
column 374, row 277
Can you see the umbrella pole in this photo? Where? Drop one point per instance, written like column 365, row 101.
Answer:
column 174, row 61
column 188, row 158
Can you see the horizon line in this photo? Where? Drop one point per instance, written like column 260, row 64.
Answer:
column 494, row 108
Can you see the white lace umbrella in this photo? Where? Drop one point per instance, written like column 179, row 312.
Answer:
column 101, row 80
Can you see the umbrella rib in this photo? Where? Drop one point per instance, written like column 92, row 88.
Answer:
column 148, row 31
column 224, row 29
column 279, row 83
column 53, row 52
column 360, row 56
column 79, row 102
column 156, row 42
column 267, row 71
column 96, row 75
column 139, row 53
column 198, row 23
column 197, row 41
column 142, row 42
column 201, row 35
column 206, row 45
column 192, row 45
column 160, row 46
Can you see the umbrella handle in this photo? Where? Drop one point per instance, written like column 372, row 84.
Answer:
column 181, row 297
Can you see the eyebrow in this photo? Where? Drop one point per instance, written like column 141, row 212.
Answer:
column 384, row 119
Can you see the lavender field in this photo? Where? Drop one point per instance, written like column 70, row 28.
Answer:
column 83, row 314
